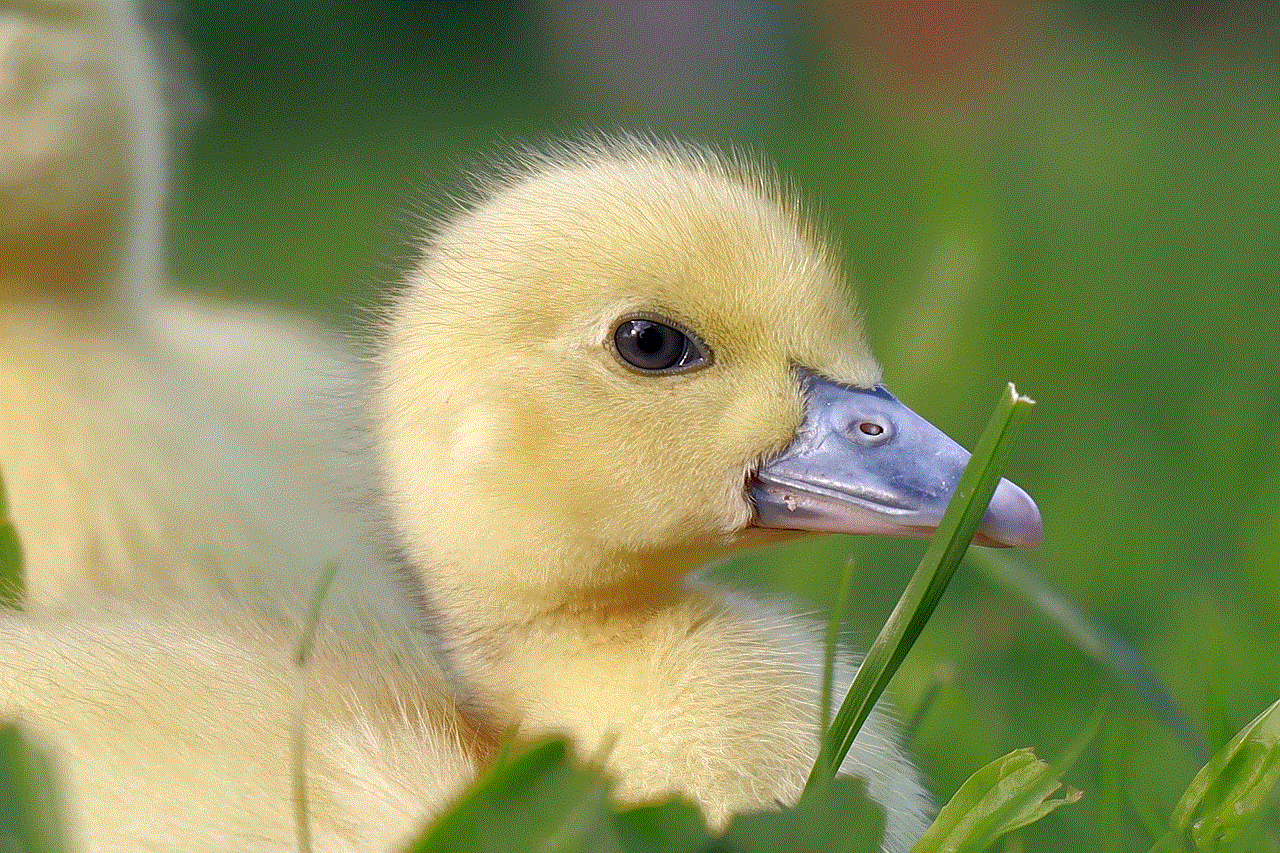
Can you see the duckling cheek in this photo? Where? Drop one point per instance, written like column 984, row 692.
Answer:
column 763, row 417
column 475, row 437
column 760, row 419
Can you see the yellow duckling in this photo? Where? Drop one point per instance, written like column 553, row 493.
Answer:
column 621, row 365
column 624, row 361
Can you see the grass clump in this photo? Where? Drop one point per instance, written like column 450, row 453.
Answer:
column 1228, row 795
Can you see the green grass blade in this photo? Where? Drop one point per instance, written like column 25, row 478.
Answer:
column 834, row 620
column 29, row 811
column 11, row 576
column 310, row 627
column 1007, row 794
column 959, row 524
column 944, row 675
column 1095, row 640
column 1228, row 793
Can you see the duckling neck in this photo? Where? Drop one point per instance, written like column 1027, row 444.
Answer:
column 662, row 678
column 513, row 644
column 468, row 604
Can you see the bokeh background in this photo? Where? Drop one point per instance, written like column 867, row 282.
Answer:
column 1082, row 198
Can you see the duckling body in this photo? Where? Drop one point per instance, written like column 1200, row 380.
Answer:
column 624, row 361
column 706, row 696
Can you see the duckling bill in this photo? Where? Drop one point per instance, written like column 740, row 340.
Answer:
column 862, row 462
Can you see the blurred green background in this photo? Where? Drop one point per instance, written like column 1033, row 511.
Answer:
column 1080, row 198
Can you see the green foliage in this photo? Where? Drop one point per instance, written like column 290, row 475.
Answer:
column 11, row 576
column 544, row 801
column 959, row 524
column 1226, row 797
column 671, row 827
column 540, row 800
column 834, row 620
column 29, row 821
column 1008, row 794
column 837, row 815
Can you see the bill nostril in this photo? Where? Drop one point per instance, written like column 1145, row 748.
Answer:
column 868, row 430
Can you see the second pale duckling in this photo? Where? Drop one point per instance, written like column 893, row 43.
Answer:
column 151, row 442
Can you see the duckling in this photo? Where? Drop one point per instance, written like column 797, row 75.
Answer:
column 150, row 442
column 628, row 361
column 625, row 360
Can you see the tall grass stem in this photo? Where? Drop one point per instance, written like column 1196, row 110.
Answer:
column 959, row 524
column 835, row 619
column 12, row 578
column 310, row 627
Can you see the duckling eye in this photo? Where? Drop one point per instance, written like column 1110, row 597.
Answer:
column 655, row 347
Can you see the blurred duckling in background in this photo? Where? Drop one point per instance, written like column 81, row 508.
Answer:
column 149, row 443
column 624, row 361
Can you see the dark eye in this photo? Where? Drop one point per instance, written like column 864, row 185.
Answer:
column 655, row 347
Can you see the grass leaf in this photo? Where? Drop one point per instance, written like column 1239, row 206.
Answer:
column 11, row 575
column 1005, row 795
column 837, row 815
column 671, row 827
column 955, row 532
column 1227, row 794
column 834, row 620
column 540, row 800
column 29, row 820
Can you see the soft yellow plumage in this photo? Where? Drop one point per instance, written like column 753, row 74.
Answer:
column 172, row 730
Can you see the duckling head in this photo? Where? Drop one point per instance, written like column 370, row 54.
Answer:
column 627, row 359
